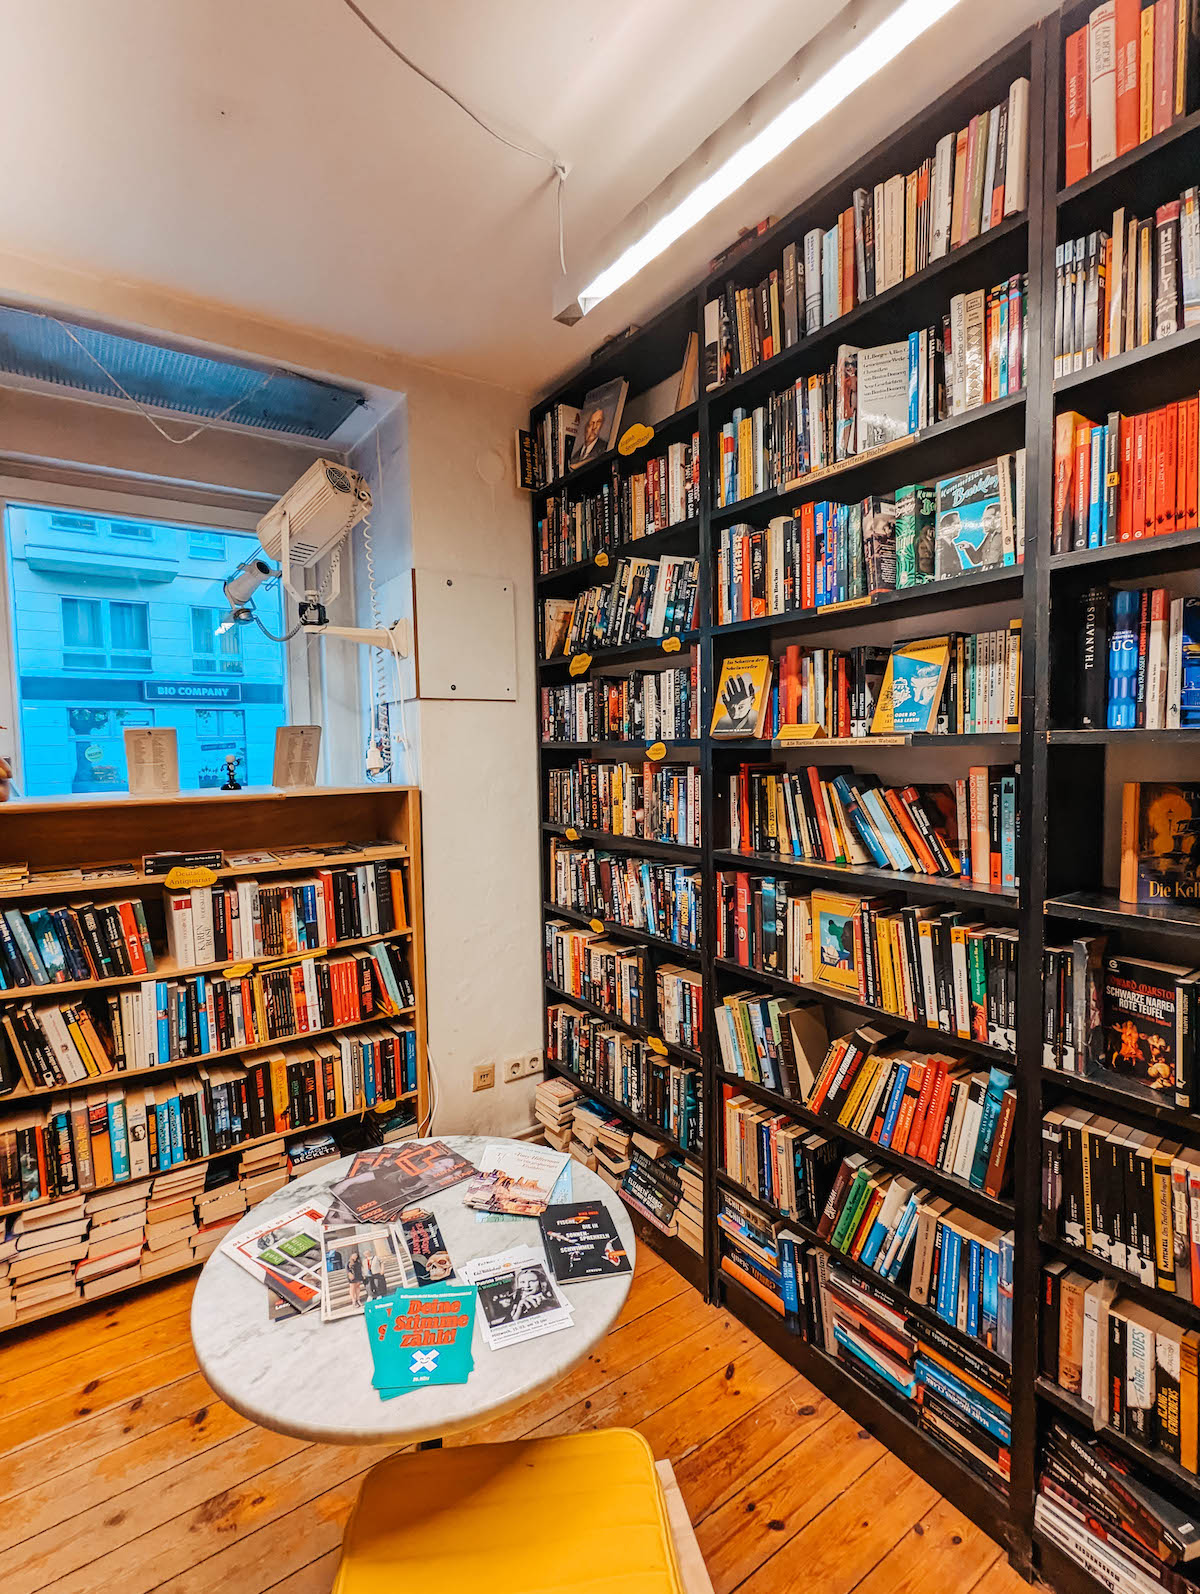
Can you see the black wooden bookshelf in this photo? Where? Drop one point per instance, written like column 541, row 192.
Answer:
column 1063, row 890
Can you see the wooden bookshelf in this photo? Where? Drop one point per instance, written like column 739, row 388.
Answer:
column 1063, row 889
column 95, row 834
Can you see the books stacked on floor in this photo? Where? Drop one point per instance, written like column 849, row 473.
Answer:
column 607, row 1059
column 646, row 598
column 834, row 814
column 554, row 1108
column 1128, row 74
column 49, row 1245
column 171, row 1021
column 930, row 1107
column 598, row 969
column 824, row 554
column 1139, row 660
column 1121, row 289
column 868, row 398
column 680, row 1005
column 218, row 1208
column 8, row 1305
column 634, row 893
column 652, row 1184
column 646, row 705
column 968, row 185
column 1130, row 1537
column 170, row 1220
column 600, row 1140
column 1135, row 1370
column 1128, row 1197
column 776, row 1266
column 653, row 801
column 263, row 1169
column 624, row 508
column 116, row 1235
column 689, row 1214
column 1128, row 477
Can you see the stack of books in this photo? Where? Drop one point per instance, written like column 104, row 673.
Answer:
column 773, row 1264
column 606, row 1139
column 117, row 1232
column 50, row 1245
column 965, row 1401
column 171, row 1219
column 218, row 1208
column 689, row 1214
column 263, row 1169
column 554, row 1108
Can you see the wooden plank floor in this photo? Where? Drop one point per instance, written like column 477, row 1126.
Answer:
column 120, row 1469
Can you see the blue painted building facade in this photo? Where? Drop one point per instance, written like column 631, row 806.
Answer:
column 115, row 624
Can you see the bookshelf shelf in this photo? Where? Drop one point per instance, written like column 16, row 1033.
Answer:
column 864, row 473
column 1104, row 908
column 756, row 746
column 1153, row 1460
column 1163, row 1301
column 167, row 969
column 1126, row 381
column 921, row 1034
column 982, row 586
column 927, row 887
column 963, row 1194
column 628, row 653
column 586, row 572
column 1171, row 550
column 604, row 840
column 664, row 430
column 1059, row 1570
column 684, row 1053
column 1142, row 738
column 551, row 910
column 636, row 1120
column 1151, row 1107
column 631, row 750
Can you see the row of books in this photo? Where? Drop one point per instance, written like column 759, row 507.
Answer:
column 937, row 967
column 1128, row 1536
column 1139, row 659
column 970, row 183
column 829, row 553
column 1120, row 290
column 665, row 1189
column 1131, row 1021
column 85, row 941
column 644, row 706
column 773, row 1263
column 646, row 598
column 1134, row 1369
column 652, row 801
column 637, row 894
column 626, row 507
column 1128, row 74
column 128, row 1131
column 832, row 814
column 1126, row 1196
column 1130, row 477
column 680, row 998
column 871, row 397
column 609, row 974
column 604, row 1058
column 160, row 1022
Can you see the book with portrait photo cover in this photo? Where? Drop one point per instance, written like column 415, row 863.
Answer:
column 599, row 422
column 582, row 1242
column 743, row 695
column 361, row 1262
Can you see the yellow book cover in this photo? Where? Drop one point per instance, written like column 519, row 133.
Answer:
column 90, row 1063
column 866, row 1077
column 743, row 694
column 912, row 687
column 884, row 929
column 835, row 942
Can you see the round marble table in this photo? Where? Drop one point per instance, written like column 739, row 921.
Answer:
column 312, row 1379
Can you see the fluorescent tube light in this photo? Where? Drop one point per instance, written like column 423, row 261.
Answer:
column 905, row 24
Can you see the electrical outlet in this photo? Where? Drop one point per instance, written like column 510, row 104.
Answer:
column 531, row 1065
column 484, row 1078
column 514, row 1068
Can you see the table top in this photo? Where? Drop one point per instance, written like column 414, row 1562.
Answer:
column 312, row 1379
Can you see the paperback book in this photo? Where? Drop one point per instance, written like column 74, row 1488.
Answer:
column 285, row 1254
column 421, row 1337
column 383, row 1181
column 582, row 1243
column 515, row 1179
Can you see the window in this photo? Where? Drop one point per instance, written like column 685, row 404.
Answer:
column 114, row 623
column 206, row 545
column 213, row 654
column 99, row 635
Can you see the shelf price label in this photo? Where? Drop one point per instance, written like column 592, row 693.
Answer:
column 602, row 559
column 597, row 925
column 181, row 878
column 671, row 644
column 656, row 1045
column 571, row 833
column 580, row 664
column 656, row 751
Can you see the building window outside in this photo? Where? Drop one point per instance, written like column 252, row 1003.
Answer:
column 213, row 654
column 112, row 630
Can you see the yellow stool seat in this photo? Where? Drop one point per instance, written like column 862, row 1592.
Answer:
column 539, row 1516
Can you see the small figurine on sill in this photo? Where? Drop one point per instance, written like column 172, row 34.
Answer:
column 232, row 783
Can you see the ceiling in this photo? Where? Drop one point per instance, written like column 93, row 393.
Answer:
column 272, row 156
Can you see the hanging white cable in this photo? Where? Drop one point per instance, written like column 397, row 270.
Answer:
column 137, row 403
column 557, row 166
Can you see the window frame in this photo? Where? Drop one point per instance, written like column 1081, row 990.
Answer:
column 303, row 676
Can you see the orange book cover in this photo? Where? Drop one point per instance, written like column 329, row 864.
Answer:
column 1128, row 33
column 1064, row 475
column 1168, row 456
column 847, row 281
column 1191, row 458
column 133, row 940
column 1125, row 507
column 908, row 1107
column 280, row 1099
column 961, row 198
column 865, row 1224
column 91, row 1037
column 829, row 1069
column 1137, row 522
column 827, row 842
column 1183, row 414
column 1082, row 485
column 1146, row 75
column 1076, row 124
column 916, row 1131
column 1153, row 466
column 936, row 1117
column 1164, row 66
column 748, row 1282
column 898, row 809
column 399, row 905
column 977, row 796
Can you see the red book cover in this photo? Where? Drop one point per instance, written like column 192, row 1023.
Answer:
column 843, row 699
column 791, row 701
column 1153, row 466
column 1064, row 457
column 916, row 1132
column 1076, row 127
column 1183, row 412
column 1168, row 455
column 325, row 876
column 1164, row 65
column 828, row 848
column 808, row 544
column 977, row 802
column 1125, row 509
column 744, row 807
column 133, row 941
column 894, row 803
column 908, row 1106
column 1191, row 453
column 1083, row 477
column 936, row 1116
column 1128, row 32
column 865, row 1224
column 1138, row 521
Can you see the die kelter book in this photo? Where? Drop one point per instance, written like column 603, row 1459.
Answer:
column 582, row 1243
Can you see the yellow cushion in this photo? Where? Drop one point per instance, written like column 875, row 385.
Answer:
column 540, row 1516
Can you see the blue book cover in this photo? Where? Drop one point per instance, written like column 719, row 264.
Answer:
column 951, row 1273
column 175, row 1118
column 1189, row 693
column 1008, row 832
column 860, row 1352
column 118, row 1136
column 368, row 1057
column 892, row 1111
column 51, row 953
column 28, row 950
column 1003, row 342
column 202, row 1014
column 989, row 1295
column 989, row 1116
column 1004, row 1297
column 974, row 1282
column 17, row 967
column 787, row 1279
column 77, row 964
column 860, row 821
column 1123, row 662
column 163, row 1048
column 1096, row 489
column 905, row 1230
column 874, row 1244
column 914, row 368
column 163, row 1118
column 420, row 1337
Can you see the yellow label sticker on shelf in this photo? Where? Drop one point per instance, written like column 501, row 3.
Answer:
column 183, row 879
column 296, row 957
column 236, row 971
column 580, row 664
column 635, row 437
column 655, row 1045
column 808, row 732
column 602, row 559
column 597, row 925
column 656, row 750
column 571, row 833
column 671, row 644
